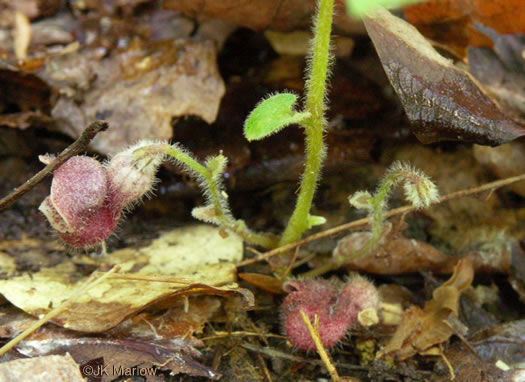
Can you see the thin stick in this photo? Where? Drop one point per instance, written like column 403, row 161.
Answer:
column 88, row 284
column 395, row 211
column 76, row 147
column 314, row 332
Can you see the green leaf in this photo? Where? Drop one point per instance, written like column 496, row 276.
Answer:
column 216, row 165
column 359, row 8
column 314, row 220
column 272, row 115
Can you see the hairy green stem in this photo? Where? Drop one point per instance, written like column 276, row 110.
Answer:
column 314, row 126
column 215, row 194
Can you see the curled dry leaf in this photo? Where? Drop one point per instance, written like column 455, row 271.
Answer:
column 185, row 261
column 422, row 329
column 442, row 101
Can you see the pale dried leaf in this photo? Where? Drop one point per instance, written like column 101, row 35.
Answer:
column 422, row 329
column 63, row 369
column 190, row 260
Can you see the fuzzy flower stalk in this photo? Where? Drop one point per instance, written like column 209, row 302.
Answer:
column 419, row 190
column 338, row 308
column 88, row 198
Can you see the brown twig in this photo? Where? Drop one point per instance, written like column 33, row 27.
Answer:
column 396, row 211
column 76, row 147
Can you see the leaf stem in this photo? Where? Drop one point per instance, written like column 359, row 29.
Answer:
column 314, row 125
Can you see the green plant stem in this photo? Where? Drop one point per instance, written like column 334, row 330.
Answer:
column 314, row 126
column 218, row 201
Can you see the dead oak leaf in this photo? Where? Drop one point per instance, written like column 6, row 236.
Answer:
column 422, row 329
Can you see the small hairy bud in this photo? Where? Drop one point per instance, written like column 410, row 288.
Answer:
column 420, row 191
column 131, row 173
column 360, row 200
column 87, row 200
column 338, row 309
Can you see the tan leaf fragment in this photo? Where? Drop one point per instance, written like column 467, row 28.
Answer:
column 422, row 329
column 138, row 92
column 22, row 35
column 63, row 369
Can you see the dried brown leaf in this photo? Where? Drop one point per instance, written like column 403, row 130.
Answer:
column 262, row 14
column 422, row 329
column 442, row 101
column 396, row 256
column 467, row 367
column 265, row 282
column 452, row 23
column 504, row 161
column 116, row 357
column 503, row 342
column 137, row 92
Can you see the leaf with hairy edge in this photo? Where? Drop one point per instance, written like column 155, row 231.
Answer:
column 272, row 115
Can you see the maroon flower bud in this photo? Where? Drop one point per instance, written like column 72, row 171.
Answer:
column 86, row 200
column 76, row 207
column 337, row 309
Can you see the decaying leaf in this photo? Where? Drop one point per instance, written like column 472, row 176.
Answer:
column 64, row 369
column 119, row 357
column 442, row 101
column 452, row 23
column 422, row 329
column 396, row 256
column 260, row 15
column 501, row 70
column 468, row 367
column 138, row 92
column 504, row 161
column 503, row 342
column 468, row 224
column 185, row 261
column 265, row 282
